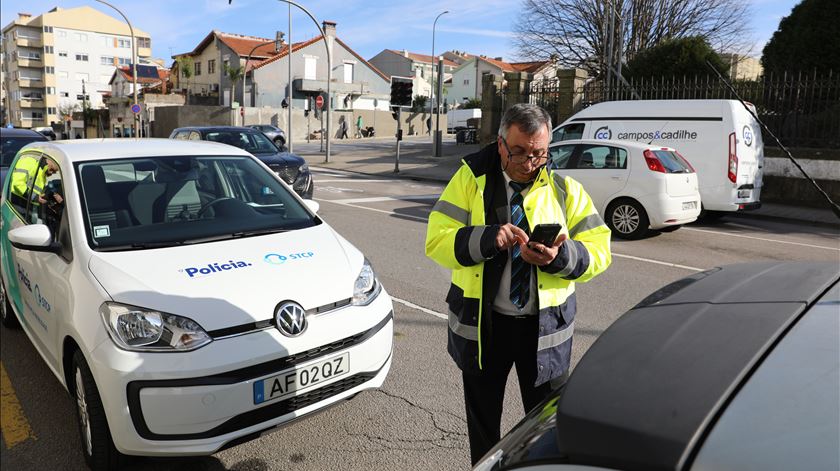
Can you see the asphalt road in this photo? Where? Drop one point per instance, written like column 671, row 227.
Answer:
column 416, row 421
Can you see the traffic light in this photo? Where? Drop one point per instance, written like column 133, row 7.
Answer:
column 401, row 91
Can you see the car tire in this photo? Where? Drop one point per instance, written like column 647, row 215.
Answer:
column 7, row 315
column 627, row 219
column 97, row 444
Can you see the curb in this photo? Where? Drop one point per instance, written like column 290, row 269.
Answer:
column 777, row 218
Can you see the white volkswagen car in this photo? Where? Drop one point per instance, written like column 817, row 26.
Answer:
column 184, row 295
column 636, row 187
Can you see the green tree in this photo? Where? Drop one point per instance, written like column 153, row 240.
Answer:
column 234, row 74
column 419, row 103
column 185, row 68
column 807, row 40
column 675, row 57
column 472, row 103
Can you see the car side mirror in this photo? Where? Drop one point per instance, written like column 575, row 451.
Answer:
column 313, row 205
column 35, row 238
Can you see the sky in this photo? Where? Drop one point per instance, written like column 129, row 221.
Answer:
column 367, row 26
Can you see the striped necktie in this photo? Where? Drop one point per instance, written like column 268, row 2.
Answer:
column 520, row 271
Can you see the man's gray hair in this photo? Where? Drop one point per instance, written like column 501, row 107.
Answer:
column 529, row 118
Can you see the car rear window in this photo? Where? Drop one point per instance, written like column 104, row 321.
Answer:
column 672, row 161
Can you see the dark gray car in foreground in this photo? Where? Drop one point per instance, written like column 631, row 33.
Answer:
column 734, row 368
column 289, row 167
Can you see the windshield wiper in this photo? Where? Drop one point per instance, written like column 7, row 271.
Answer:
column 237, row 235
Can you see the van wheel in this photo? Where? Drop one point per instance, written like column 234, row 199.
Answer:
column 97, row 445
column 627, row 219
column 7, row 315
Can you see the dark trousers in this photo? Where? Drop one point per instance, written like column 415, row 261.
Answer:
column 514, row 342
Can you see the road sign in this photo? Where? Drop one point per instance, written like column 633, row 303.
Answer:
column 242, row 111
column 135, row 108
column 319, row 102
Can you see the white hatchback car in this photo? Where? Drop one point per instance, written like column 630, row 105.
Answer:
column 636, row 187
column 184, row 295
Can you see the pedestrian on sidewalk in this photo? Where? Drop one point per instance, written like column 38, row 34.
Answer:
column 342, row 128
column 359, row 125
column 512, row 301
column 429, row 125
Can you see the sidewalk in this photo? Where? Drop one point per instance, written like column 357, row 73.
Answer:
column 417, row 162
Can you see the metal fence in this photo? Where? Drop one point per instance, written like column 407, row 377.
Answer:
column 802, row 110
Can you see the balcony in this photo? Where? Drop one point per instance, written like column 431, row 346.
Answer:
column 32, row 103
column 32, row 82
column 29, row 41
column 27, row 62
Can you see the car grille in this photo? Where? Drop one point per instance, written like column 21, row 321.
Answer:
column 288, row 174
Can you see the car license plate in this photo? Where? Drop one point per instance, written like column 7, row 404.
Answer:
column 744, row 193
column 690, row 205
column 290, row 381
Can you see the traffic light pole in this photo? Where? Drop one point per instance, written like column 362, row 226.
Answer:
column 399, row 138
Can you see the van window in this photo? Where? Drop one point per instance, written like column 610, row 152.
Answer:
column 568, row 132
column 560, row 155
column 606, row 157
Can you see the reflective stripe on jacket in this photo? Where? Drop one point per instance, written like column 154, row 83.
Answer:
column 461, row 236
column 24, row 173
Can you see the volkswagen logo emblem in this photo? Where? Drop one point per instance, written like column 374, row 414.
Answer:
column 290, row 319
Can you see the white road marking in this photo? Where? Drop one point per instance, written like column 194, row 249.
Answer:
column 421, row 308
column 761, row 239
column 649, row 260
column 354, row 180
column 390, row 213
column 377, row 199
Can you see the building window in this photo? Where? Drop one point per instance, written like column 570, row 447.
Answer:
column 124, row 61
column 37, row 115
column 81, row 37
column 50, row 110
column 106, row 60
column 211, row 66
column 197, row 68
column 63, row 74
column 144, row 42
column 309, row 67
column 62, row 34
column 348, row 73
column 466, row 81
column 124, row 43
column 50, row 90
column 62, row 53
column 49, row 69
column 48, row 29
column 64, row 95
column 48, row 49
column 81, row 57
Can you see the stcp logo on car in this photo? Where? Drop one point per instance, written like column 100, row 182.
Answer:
column 275, row 344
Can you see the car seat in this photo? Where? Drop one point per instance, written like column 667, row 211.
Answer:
column 586, row 160
column 100, row 205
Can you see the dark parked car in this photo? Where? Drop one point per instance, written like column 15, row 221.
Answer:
column 733, row 368
column 291, row 168
column 272, row 132
column 12, row 140
column 46, row 132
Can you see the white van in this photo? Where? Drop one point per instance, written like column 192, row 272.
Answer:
column 720, row 139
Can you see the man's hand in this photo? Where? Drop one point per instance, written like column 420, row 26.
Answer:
column 538, row 254
column 510, row 235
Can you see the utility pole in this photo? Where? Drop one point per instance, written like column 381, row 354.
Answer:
column 289, row 59
column 84, row 110
column 438, row 136
column 399, row 138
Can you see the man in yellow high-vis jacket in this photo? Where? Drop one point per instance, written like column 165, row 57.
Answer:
column 29, row 170
column 512, row 302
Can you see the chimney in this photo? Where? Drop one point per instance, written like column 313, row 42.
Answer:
column 498, row 59
column 279, row 42
column 405, row 52
column 329, row 29
column 24, row 16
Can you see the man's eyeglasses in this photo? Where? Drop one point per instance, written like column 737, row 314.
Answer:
column 521, row 158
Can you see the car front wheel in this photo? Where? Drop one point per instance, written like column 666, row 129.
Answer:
column 627, row 219
column 97, row 445
column 7, row 315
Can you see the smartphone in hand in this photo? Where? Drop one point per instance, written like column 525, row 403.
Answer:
column 545, row 234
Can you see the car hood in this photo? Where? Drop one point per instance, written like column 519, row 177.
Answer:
column 234, row 282
column 286, row 159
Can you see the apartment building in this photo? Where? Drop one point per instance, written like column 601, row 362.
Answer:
column 50, row 59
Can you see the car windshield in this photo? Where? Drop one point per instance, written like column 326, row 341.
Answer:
column 153, row 202
column 10, row 147
column 253, row 142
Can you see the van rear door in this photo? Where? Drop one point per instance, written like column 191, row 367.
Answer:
column 749, row 148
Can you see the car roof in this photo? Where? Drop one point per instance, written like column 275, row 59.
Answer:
column 215, row 128
column 17, row 132
column 80, row 150
column 651, row 386
column 612, row 142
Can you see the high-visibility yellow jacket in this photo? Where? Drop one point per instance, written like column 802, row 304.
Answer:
column 461, row 236
column 25, row 173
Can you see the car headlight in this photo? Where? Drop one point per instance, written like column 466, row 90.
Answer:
column 144, row 330
column 367, row 287
column 304, row 168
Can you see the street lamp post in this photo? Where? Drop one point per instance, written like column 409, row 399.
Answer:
column 329, row 68
column 133, row 63
column 432, row 93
